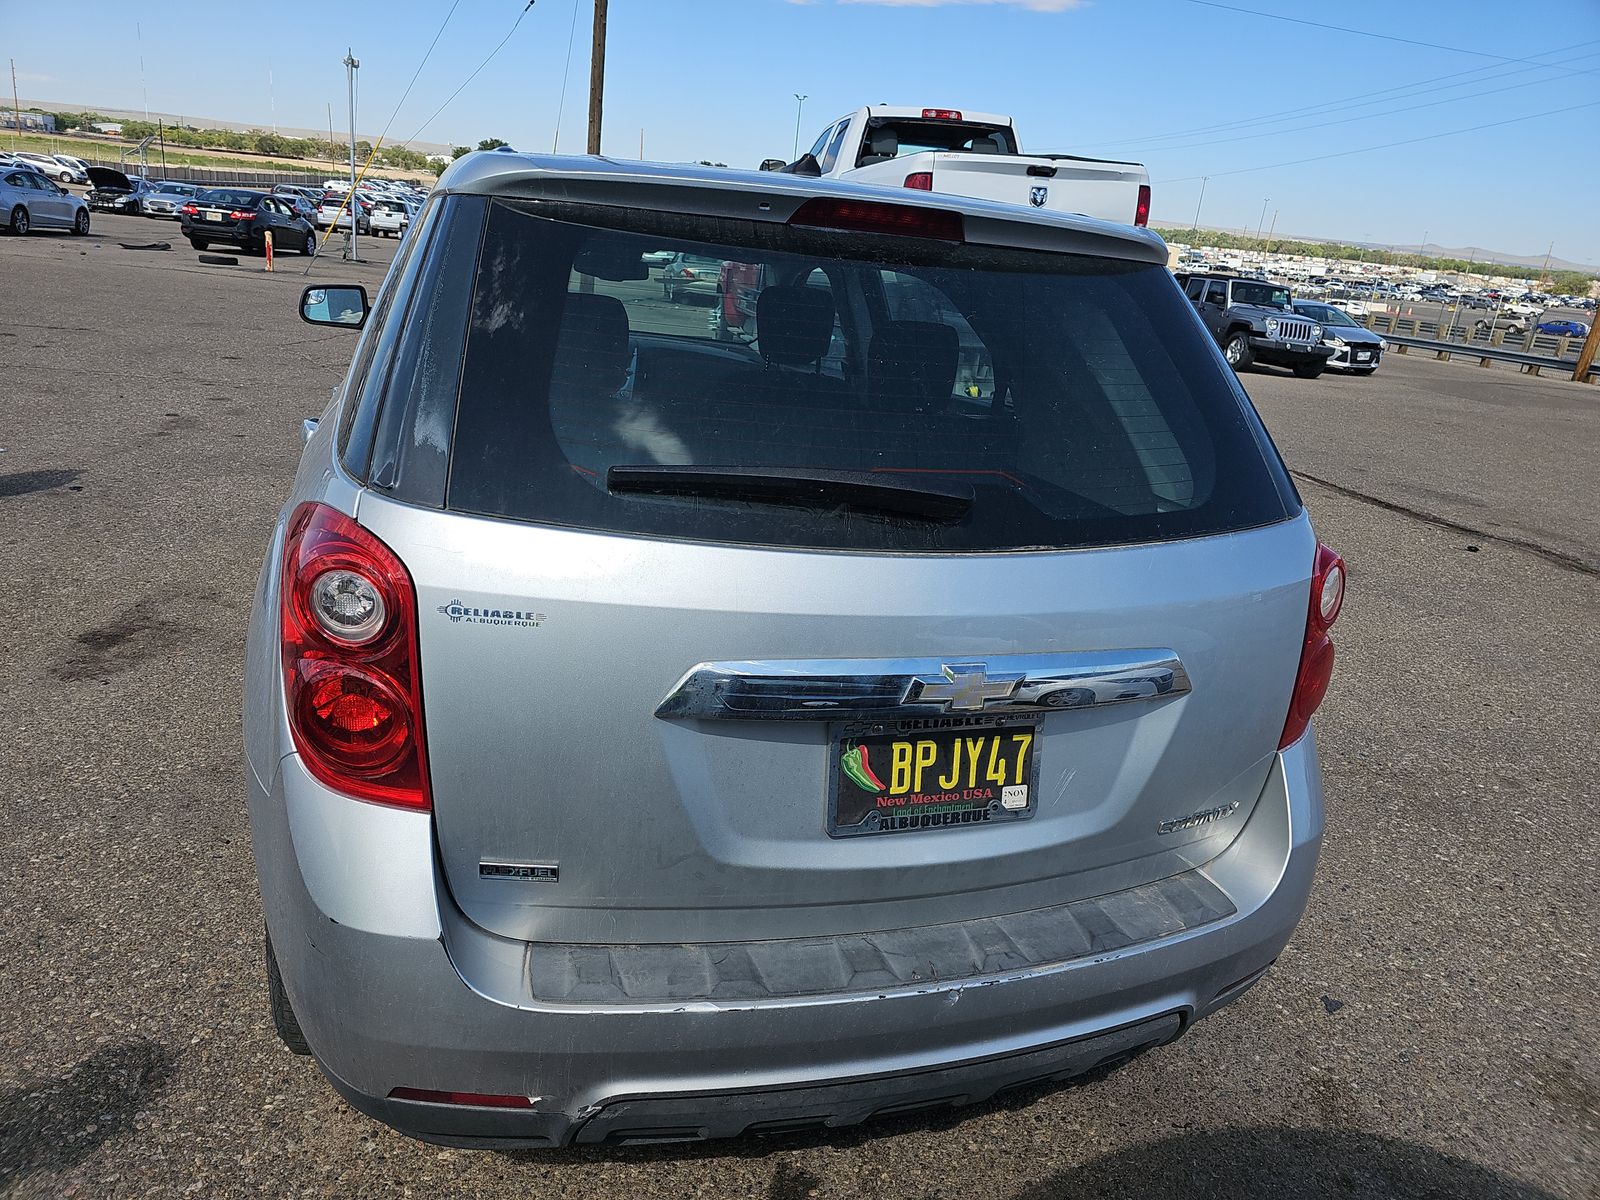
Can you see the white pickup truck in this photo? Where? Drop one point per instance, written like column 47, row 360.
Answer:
column 972, row 154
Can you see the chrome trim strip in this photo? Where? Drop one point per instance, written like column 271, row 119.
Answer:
column 851, row 688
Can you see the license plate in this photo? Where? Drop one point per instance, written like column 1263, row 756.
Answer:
column 212, row 215
column 940, row 773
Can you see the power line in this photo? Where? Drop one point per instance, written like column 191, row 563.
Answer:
column 1386, row 37
column 426, row 55
column 1359, row 100
column 1246, row 137
column 487, row 59
column 1295, row 162
column 561, row 104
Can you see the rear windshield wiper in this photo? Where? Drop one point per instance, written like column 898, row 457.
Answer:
column 932, row 500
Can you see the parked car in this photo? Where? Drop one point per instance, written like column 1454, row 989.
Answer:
column 115, row 191
column 45, row 164
column 30, row 201
column 243, row 218
column 1256, row 322
column 302, row 208
column 1355, row 347
column 1564, row 328
column 690, row 275
column 167, row 198
column 390, row 217
column 645, row 734
column 333, row 207
column 77, row 166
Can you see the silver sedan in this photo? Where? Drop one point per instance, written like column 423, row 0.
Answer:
column 29, row 201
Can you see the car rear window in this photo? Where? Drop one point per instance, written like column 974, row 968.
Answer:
column 1070, row 400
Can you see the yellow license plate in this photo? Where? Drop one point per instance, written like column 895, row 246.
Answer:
column 932, row 778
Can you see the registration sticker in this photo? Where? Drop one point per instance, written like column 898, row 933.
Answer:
column 934, row 773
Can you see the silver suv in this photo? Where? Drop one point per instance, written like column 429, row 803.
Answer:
column 653, row 737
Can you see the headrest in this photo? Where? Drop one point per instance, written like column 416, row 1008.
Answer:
column 883, row 141
column 793, row 324
column 985, row 145
column 911, row 365
column 592, row 348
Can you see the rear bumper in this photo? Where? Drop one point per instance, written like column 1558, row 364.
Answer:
column 395, row 989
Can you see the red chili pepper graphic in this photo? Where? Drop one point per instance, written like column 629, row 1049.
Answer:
column 866, row 769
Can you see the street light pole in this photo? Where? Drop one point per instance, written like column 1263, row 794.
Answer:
column 351, row 66
column 1204, row 179
column 800, row 103
column 1261, row 223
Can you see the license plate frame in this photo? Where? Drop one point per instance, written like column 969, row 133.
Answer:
column 853, row 812
column 214, row 215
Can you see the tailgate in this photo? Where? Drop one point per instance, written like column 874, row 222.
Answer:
column 542, row 682
column 1107, row 190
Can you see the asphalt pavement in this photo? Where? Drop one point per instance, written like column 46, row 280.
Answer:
column 1427, row 1033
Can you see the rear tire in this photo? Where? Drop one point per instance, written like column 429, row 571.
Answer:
column 20, row 221
column 283, row 1018
column 1237, row 350
column 199, row 243
column 80, row 223
column 1307, row 370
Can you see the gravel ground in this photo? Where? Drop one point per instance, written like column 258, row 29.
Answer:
column 1425, row 1035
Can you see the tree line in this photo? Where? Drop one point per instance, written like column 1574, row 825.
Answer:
column 1572, row 283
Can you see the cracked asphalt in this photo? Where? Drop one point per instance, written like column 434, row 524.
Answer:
column 1427, row 1033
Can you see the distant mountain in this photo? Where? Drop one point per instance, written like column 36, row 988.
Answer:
column 1432, row 249
column 341, row 133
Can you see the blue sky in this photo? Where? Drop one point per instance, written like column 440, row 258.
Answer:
column 716, row 79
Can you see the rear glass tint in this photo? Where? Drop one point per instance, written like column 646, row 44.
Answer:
column 1074, row 399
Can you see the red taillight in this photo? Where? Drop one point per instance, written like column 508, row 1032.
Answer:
column 922, row 181
column 941, row 114
column 190, row 210
column 475, row 1099
column 870, row 216
column 685, row 273
column 241, row 214
column 348, row 619
column 1316, row 652
column 1141, row 210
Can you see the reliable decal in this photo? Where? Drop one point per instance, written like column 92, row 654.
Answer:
column 468, row 614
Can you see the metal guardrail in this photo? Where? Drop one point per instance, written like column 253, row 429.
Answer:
column 1485, row 354
column 1464, row 333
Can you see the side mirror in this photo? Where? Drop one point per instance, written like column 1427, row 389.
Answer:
column 345, row 305
column 772, row 164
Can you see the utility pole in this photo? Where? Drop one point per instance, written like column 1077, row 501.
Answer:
column 641, row 143
column 1204, row 179
column 1266, row 200
column 800, row 104
column 1544, row 271
column 16, row 108
column 351, row 66
column 332, row 162
column 162, row 134
column 1273, row 229
column 1586, row 356
column 597, row 75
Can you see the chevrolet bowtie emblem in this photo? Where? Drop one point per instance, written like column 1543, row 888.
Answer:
column 961, row 687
